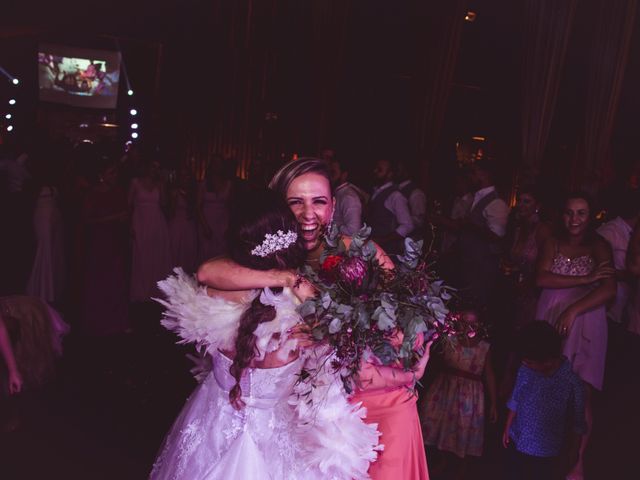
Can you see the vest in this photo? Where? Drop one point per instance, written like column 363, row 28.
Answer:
column 472, row 243
column 381, row 220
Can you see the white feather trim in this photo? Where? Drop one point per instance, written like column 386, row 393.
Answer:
column 337, row 441
column 195, row 316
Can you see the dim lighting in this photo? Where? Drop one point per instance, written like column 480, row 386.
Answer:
column 15, row 81
column 8, row 116
column 12, row 101
column 134, row 126
column 130, row 92
column 470, row 16
column 479, row 139
column 9, row 128
column 133, row 112
column 134, row 135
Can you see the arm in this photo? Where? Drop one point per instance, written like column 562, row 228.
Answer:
column 545, row 278
column 418, row 204
column 605, row 291
column 633, row 254
column 490, row 382
column 374, row 377
column 15, row 380
column 352, row 214
column 507, row 426
column 223, row 273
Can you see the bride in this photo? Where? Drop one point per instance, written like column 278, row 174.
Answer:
column 254, row 416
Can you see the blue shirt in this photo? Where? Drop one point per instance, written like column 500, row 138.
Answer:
column 545, row 406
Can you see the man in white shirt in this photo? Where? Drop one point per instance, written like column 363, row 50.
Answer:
column 618, row 233
column 347, row 214
column 415, row 197
column 389, row 216
column 479, row 245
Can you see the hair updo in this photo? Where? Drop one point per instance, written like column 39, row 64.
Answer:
column 253, row 216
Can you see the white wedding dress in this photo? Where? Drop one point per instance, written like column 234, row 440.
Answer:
column 288, row 430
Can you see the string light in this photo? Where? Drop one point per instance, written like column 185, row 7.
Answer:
column 133, row 112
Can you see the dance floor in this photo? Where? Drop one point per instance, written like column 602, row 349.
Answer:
column 105, row 416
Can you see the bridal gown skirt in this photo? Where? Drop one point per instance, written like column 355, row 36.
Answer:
column 210, row 440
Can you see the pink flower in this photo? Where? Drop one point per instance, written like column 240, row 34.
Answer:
column 352, row 270
column 471, row 334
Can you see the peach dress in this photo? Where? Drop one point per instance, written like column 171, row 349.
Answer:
column 395, row 412
column 394, row 409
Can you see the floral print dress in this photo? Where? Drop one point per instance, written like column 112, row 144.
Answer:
column 453, row 411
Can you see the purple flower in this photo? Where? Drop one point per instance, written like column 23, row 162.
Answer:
column 352, row 270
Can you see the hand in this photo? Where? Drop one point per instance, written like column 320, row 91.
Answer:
column 421, row 366
column 602, row 271
column 15, row 382
column 493, row 414
column 505, row 438
column 565, row 322
column 302, row 333
column 303, row 289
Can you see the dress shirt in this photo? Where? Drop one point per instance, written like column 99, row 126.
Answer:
column 397, row 204
column 348, row 212
column 618, row 233
column 496, row 213
column 417, row 204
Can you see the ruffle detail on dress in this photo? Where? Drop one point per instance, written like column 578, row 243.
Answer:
column 274, row 335
column 338, row 444
column 195, row 316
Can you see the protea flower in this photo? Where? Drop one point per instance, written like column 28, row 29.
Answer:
column 352, row 271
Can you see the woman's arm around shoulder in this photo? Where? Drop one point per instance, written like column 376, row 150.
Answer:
column 222, row 273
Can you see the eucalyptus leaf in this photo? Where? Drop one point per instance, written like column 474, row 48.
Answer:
column 335, row 325
column 384, row 320
column 307, row 308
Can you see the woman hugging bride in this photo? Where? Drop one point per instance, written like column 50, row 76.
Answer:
column 253, row 416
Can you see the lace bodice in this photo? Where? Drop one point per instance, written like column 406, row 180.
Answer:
column 261, row 387
column 578, row 266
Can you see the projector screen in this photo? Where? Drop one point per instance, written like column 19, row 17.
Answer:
column 78, row 77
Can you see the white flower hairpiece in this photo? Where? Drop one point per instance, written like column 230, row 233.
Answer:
column 274, row 243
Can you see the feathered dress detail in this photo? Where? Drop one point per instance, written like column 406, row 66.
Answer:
column 289, row 429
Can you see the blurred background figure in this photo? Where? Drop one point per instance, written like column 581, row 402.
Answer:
column 183, row 236
column 347, row 214
column 150, row 259
column 214, row 194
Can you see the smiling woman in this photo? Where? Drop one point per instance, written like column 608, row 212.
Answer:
column 577, row 277
column 306, row 187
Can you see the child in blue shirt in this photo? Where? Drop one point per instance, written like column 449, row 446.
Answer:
column 547, row 400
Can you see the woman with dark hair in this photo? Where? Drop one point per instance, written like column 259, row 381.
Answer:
column 529, row 235
column 249, row 419
column 576, row 274
column 104, row 279
column 385, row 392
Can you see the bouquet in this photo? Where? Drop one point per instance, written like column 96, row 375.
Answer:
column 364, row 310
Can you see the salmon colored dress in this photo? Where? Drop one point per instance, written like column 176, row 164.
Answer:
column 395, row 412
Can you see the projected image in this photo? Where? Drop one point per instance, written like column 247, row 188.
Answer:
column 90, row 80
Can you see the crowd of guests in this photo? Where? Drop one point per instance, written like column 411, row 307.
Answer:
column 93, row 230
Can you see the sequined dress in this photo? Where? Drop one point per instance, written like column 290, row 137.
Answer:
column 586, row 343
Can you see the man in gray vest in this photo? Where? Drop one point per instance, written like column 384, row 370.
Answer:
column 416, row 199
column 479, row 244
column 347, row 214
column 389, row 216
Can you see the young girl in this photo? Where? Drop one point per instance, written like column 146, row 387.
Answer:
column 453, row 413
